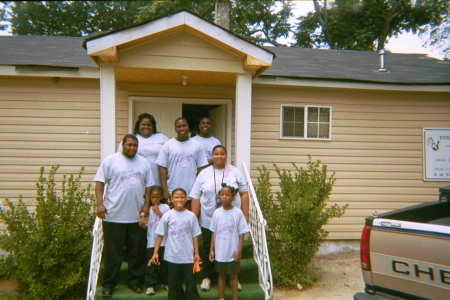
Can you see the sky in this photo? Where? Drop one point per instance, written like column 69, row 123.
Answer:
column 404, row 43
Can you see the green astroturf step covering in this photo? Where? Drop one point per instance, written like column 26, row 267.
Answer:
column 248, row 277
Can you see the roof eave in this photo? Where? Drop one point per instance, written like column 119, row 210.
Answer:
column 105, row 47
column 354, row 84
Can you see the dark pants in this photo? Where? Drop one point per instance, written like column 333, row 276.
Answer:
column 207, row 265
column 179, row 274
column 155, row 272
column 123, row 240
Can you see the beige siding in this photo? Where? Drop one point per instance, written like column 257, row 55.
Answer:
column 181, row 51
column 375, row 150
column 44, row 124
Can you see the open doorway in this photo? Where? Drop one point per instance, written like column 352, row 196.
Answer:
column 166, row 110
column 193, row 113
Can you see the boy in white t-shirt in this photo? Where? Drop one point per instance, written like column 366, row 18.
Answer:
column 180, row 226
column 157, row 210
column 205, row 138
column 228, row 226
column 180, row 160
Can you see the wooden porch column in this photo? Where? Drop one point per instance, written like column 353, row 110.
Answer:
column 243, row 120
column 107, row 110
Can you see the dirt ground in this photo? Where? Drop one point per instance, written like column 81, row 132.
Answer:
column 339, row 278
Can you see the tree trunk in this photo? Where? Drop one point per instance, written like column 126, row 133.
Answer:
column 323, row 21
column 393, row 12
column 222, row 14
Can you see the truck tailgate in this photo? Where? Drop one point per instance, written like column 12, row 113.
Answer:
column 411, row 258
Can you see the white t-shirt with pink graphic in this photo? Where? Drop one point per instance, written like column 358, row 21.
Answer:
column 207, row 144
column 227, row 226
column 182, row 159
column 125, row 179
column 209, row 182
column 150, row 148
column 152, row 224
column 179, row 227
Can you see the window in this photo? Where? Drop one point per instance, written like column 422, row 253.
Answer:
column 306, row 122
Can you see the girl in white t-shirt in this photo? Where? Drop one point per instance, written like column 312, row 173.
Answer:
column 228, row 226
column 180, row 227
column 157, row 210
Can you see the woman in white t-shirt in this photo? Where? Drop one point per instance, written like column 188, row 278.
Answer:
column 150, row 142
column 206, row 199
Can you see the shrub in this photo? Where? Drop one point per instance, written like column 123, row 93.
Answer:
column 49, row 250
column 295, row 219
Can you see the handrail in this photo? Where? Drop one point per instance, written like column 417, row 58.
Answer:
column 258, row 233
column 96, row 258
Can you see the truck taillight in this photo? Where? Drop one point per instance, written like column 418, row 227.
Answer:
column 365, row 248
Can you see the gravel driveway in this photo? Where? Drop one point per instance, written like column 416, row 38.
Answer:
column 339, row 278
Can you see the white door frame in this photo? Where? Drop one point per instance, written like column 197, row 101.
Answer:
column 227, row 102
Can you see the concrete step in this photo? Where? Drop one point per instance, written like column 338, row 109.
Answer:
column 249, row 291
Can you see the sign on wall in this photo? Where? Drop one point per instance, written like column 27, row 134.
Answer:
column 436, row 154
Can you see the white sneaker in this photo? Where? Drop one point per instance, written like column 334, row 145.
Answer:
column 206, row 284
column 150, row 291
column 166, row 287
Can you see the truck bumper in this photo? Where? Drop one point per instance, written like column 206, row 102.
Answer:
column 364, row 296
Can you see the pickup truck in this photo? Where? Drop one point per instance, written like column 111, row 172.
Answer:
column 405, row 253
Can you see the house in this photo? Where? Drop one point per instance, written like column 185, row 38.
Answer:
column 69, row 100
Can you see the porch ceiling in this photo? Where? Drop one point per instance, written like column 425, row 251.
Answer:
column 159, row 76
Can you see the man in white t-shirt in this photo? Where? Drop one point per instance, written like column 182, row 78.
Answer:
column 205, row 138
column 180, row 160
column 128, row 179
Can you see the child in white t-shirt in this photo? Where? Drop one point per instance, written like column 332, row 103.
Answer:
column 228, row 227
column 157, row 210
column 180, row 226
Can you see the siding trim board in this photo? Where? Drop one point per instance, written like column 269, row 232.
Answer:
column 326, row 83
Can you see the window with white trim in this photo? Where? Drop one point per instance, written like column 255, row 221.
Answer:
column 306, row 122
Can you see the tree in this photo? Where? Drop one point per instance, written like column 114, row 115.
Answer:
column 440, row 37
column 3, row 26
column 365, row 24
column 70, row 18
column 257, row 21
column 260, row 21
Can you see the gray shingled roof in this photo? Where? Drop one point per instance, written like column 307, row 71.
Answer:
column 56, row 51
column 343, row 65
column 357, row 66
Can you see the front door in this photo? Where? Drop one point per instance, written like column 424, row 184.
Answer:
column 218, row 117
column 165, row 114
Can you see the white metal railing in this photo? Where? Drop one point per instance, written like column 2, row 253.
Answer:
column 96, row 258
column 258, row 233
